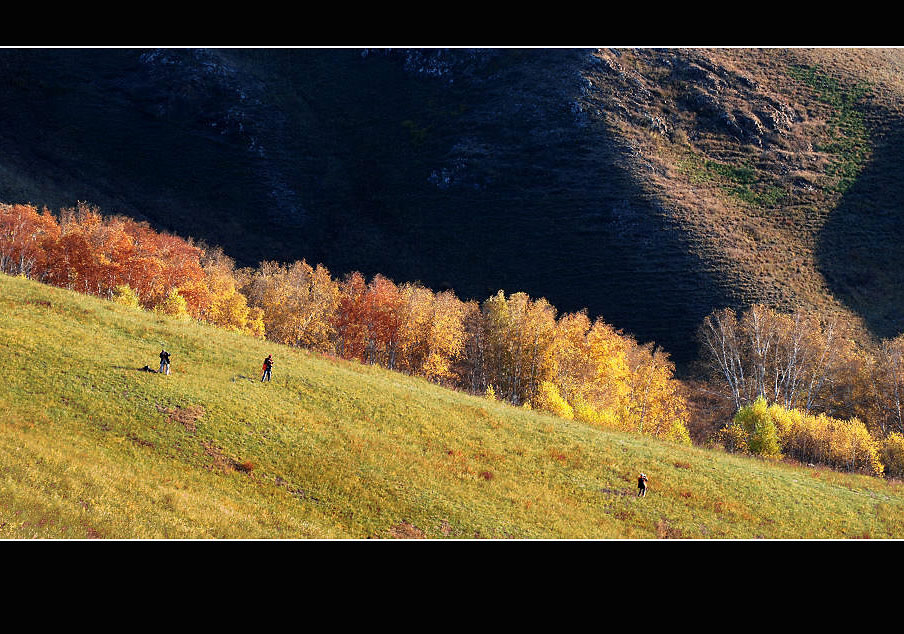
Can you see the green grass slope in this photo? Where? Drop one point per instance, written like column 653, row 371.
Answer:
column 90, row 446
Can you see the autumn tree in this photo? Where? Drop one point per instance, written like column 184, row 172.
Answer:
column 70, row 261
column 471, row 364
column 431, row 336
column 788, row 358
column 382, row 315
column 519, row 335
column 125, row 296
column 446, row 337
column 225, row 306
column 887, row 385
column 24, row 234
column 348, row 319
column 418, row 307
column 591, row 368
column 297, row 301
column 656, row 404
column 173, row 305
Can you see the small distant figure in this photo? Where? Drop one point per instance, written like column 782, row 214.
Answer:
column 642, row 486
column 164, row 362
column 268, row 365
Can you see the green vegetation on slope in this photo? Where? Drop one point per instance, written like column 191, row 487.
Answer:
column 850, row 142
column 90, row 446
column 745, row 183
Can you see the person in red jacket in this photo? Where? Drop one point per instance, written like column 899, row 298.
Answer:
column 268, row 365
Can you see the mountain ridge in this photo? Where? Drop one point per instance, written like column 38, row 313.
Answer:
column 648, row 185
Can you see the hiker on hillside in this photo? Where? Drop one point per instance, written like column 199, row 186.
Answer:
column 642, row 486
column 268, row 365
column 164, row 362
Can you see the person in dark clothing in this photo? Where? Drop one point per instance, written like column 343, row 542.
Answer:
column 642, row 486
column 268, row 365
column 164, row 362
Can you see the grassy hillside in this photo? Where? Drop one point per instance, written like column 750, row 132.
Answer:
column 90, row 446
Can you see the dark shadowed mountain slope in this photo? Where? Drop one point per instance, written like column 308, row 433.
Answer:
column 649, row 186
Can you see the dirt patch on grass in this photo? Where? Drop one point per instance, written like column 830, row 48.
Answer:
column 664, row 530
column 296, row 491
column 404, row 530
column 185, row 416
column 223, row 463
column 140, row 441
column 220, row 461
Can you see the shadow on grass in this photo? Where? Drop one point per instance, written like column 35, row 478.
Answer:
column 145, row 368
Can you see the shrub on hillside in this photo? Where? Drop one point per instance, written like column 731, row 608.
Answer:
column 125, row 296
column 550, row 400
column 173, row 305
column 732, row 438
column 677, row 432
column 769, row 430
column 893, row 455
column 585, row 412
column 841, row 444
column 759, row 429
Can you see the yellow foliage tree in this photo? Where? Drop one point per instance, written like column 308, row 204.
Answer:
column 173, row 305
column 518, row 344
column 297, row 303
column 446, row 338
column 609, row 385
column 656, row 404
column 125, row 296
column 414, row 333
column 893, row 455
column 549, row 399
column 226, row 307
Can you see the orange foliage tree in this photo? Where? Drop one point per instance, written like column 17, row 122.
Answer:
column 23, row 235
column 348, row 318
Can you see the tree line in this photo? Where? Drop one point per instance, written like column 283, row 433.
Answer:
column 829, row 381
column 509, row 347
